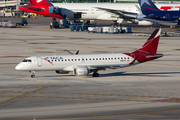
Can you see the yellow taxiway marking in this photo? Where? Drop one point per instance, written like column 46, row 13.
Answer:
column 112, row 95
column 105, row 99
column 104, row 95
column 42, row 87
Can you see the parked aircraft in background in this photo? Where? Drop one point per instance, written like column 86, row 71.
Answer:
column 90, row 11
column 87, row 63
column 153, row 14
column 42, row 7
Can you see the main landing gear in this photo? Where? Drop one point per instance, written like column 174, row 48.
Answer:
column 95, row 74
column 32, row 74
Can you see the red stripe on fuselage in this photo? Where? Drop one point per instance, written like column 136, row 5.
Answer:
column 165, row 8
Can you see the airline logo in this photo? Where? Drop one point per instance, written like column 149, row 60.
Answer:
column 142, row 2
column 49, row 59
column 38, row 1
column 150, row 8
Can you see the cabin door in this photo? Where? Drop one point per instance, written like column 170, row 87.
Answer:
column 39, row 61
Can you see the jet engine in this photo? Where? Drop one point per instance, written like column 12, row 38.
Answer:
column 144, row 23
column 81, row 71
column 61, row 72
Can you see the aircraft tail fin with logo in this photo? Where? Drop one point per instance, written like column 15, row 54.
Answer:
column 147, row 6
column 40, row 2
column 151, row 45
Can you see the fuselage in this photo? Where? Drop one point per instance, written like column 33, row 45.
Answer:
column 91, row 11
column 69, row 62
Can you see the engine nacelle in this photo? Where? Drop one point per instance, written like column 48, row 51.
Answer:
column 144, row 23
column 61, row 72
column 81, row 71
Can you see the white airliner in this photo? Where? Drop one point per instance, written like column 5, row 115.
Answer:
column 116, row 12
column 87, row 63
column 107, row 11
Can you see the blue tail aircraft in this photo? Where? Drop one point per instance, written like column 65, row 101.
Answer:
column 151, row 13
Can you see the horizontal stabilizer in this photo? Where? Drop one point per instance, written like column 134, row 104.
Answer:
column 33, row 8
column 155, row 56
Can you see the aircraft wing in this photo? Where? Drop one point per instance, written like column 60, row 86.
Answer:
column 100, row 67
column 33, row 8
column 154, row 19
column 121, row 13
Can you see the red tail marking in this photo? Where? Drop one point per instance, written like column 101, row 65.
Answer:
column 151, row 45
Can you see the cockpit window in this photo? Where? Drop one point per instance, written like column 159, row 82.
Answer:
column 26, row 60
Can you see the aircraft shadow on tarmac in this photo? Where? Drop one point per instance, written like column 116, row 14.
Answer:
column 152, row 74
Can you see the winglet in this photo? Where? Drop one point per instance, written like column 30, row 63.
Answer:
column 151, row 45
column 140, row 11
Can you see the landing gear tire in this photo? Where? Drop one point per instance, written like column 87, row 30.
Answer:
column 95, row 74
column 33, row 76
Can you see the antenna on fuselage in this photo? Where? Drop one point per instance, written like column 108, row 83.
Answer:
column 72, row 53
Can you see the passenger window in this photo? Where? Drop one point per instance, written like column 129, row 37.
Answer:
column 75, row 59
column 124, row 57
column 71, row 59
column 118, row 58
column 65, row 60
column 102, row 58
column 93, row 58
column 68, row 59
column 89, row 58
column 115, row 58
column 105, row 58
column 96, row 58
column 86, row 59
column 78, row 59
column 99, row 58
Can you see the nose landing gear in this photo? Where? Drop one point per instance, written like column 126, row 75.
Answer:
column 32, row 74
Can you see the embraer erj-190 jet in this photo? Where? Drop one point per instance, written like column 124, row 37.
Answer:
column 84, row 64
column 90, row 11
column 153, row 14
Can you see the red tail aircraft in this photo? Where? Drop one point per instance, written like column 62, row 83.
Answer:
column 42, row 7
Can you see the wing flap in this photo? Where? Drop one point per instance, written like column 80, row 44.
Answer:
column 121, row 13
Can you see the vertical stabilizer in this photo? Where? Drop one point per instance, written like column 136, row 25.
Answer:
column 147, row 6
column 151, row 45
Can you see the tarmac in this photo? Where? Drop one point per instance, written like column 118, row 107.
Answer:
column 144, row 91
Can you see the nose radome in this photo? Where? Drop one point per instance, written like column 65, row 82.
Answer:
column 18, row 67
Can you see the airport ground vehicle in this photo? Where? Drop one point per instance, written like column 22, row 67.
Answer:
column 23, row 22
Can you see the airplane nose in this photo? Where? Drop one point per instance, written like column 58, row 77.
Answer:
column 18, row 67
